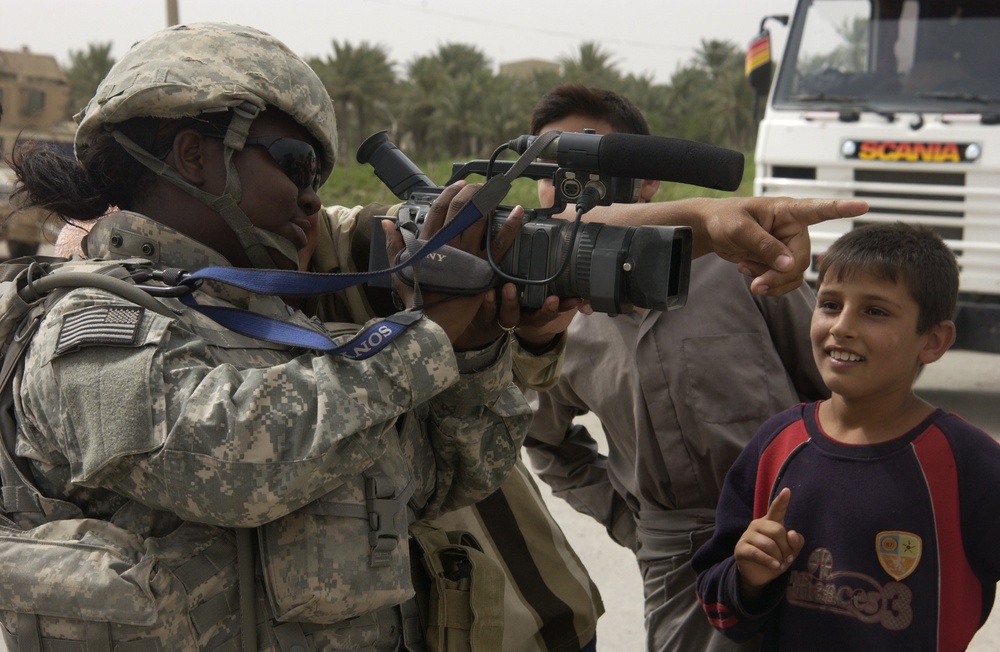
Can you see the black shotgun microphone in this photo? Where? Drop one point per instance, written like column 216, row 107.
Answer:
column 644, row 157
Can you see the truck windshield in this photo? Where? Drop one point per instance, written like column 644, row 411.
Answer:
column 891, row 56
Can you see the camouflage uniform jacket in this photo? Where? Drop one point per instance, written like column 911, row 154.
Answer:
column 178, row 430
column 550, row 603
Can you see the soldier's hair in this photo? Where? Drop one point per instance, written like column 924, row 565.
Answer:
column 914, row 256
column 600, row 104
column 105, row 175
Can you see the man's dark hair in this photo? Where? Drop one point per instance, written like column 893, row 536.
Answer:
column 576, row 99
column 914, row 256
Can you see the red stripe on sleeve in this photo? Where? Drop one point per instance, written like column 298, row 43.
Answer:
column 718, row 615
column 959, row 590
column 771, row 461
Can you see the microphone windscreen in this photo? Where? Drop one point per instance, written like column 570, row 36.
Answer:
column 670, row 159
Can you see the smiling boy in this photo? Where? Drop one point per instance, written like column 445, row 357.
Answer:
column 868, row 520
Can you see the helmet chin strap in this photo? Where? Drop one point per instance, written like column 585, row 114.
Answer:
column 254, row 240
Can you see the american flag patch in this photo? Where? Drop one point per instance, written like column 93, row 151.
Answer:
column 100, row 325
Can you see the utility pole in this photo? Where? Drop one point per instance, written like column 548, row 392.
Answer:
column 172, row 17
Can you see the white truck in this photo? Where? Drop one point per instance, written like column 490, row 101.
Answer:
column 896, row 102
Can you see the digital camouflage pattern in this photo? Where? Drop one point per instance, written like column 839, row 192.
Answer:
column 203, row 430
column 85, row 578
column 223, row 66
column 513, row 526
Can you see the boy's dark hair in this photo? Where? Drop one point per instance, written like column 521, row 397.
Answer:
column 576, row 99
column 914, row 256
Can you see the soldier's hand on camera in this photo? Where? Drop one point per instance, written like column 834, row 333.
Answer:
column 534, row 328
column 463, row 317
column 538, row 328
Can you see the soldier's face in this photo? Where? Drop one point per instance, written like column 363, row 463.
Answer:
column 272, row 196
column 278, row 184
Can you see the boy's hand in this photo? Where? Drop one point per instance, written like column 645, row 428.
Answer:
column 766, row 549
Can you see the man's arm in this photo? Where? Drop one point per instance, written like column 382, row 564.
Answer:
column 767, row 237
column 565, row 456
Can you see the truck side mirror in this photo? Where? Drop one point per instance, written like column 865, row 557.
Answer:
column 758, row 65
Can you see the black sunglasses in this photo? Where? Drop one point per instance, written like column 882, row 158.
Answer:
column 296, row 158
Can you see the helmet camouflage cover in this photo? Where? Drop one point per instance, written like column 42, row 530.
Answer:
column 185, row 70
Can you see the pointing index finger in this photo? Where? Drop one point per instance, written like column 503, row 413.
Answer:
column 776, row 511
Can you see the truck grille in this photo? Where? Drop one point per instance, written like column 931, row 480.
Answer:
column 911, row 190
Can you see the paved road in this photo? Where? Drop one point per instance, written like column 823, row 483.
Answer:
column 966, row 383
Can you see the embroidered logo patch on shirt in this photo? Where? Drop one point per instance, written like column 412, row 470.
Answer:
column 898, row 552
column 100, row 325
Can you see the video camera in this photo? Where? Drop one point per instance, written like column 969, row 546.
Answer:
column 614, row 267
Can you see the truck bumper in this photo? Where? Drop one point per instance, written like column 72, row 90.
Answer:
column 978, row 326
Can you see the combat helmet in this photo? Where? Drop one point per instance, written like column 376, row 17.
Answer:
column 186, row 70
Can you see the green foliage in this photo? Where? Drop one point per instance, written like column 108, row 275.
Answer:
column 594, row 66
column 85, row 72
column 362, row 85
column 358, row 185
column 450, row 104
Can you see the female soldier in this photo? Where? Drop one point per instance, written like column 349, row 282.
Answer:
column 168, row 437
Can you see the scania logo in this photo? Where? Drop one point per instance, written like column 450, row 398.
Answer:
column 910, row 152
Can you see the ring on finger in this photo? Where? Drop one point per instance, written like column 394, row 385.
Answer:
column 506, row 329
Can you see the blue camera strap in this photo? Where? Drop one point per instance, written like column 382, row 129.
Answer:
column 297, row 284
column 365, row 343
column 373, row 338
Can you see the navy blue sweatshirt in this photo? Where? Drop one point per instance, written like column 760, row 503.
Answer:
column 902, row 538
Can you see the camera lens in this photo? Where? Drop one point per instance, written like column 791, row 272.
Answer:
column 618, row 267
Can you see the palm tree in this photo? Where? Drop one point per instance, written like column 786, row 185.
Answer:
column 425, row 79
column 362, row 84
column 86, row 70
column 688, row 113
column 461, row 59
column 593, row 66
column 446, row 99
column 726, row 96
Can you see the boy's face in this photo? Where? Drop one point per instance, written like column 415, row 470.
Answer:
column 864, row 337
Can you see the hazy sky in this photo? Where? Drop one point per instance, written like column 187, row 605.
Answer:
column 649, row 37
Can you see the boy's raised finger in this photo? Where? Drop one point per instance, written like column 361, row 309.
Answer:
column 776, row 511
